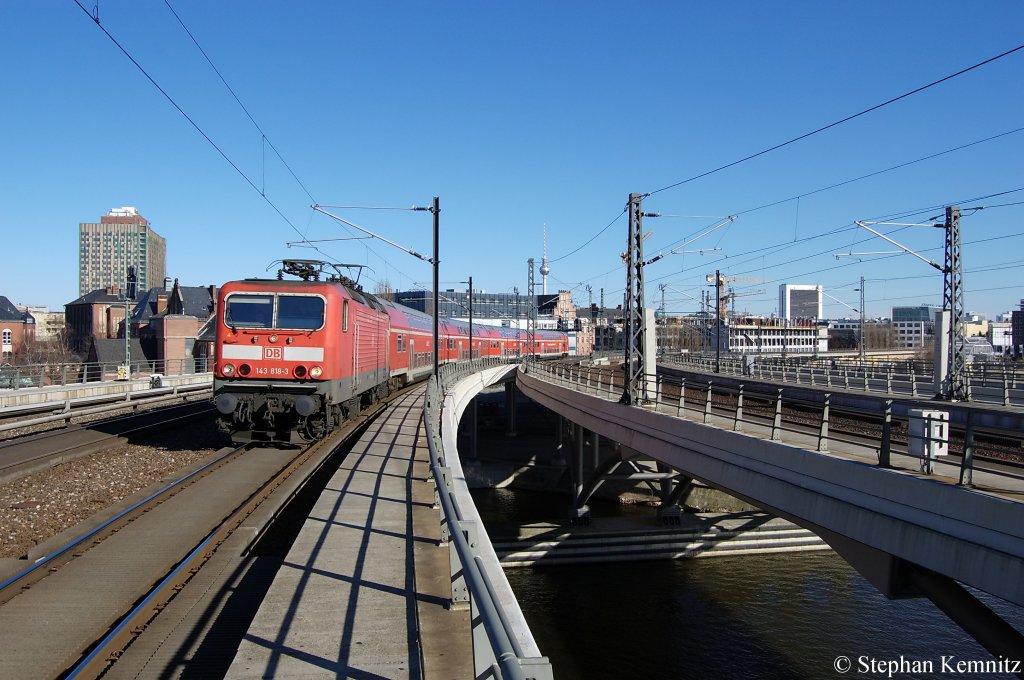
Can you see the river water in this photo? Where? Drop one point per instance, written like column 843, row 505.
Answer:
column 763, row 616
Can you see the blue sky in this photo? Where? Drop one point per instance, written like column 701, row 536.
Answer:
column 517, row 115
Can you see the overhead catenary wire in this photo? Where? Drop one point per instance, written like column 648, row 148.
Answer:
column 216, row 147
column 880, row 172
column 840, row 121
column 758, row 252
column 591, row 239
column 229, row 88
column 819, row 190
column 192, row 122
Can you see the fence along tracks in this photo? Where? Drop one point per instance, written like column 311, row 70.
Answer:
column 993, row 449
column 14, row 418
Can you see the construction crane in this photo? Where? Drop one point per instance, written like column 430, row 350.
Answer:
column 723, row 297
column 730, row 297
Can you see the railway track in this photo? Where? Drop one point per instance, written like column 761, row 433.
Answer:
column 73, row 611
column 37, row 451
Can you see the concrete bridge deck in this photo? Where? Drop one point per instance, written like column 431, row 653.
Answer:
column 364, row 588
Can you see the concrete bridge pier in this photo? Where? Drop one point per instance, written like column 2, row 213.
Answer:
column 673, row 492
column 510, row 408
column 590, row 467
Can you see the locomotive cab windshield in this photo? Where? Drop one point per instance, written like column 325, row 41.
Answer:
column 277, row 311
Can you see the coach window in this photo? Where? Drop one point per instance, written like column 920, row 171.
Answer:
column 344, row 317
column 399, row 342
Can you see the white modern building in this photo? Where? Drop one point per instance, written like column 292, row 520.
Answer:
column 800, row 301
column 774, row 336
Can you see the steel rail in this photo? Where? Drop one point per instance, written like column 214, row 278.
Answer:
column 120, row 517
column 95, row 662
column 11, row 470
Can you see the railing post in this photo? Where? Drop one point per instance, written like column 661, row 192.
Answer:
column 707, row 404
column 913, row 382
column 737, row 423
column 884, row 452
column 777, row 420
column 681, row 404
column 864, row 370
column 1006, row 390
column 823, row 432
column 888, row 380
column 657, row 393
column 846, row 378
column 460, row 589
column 967, row 462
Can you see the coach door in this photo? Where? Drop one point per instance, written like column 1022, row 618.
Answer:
column 355, row 358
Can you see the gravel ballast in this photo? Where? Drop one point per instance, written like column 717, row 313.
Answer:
column 41, row 505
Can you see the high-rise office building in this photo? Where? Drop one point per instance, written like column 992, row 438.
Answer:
column 121, row 238
column 800, row 302
column 914, row 326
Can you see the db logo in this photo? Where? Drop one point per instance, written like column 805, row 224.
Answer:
column 272, row 353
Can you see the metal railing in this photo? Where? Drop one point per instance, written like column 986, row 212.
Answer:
column 999, row 383
column 503, row 657
column 43, row 375
column 734, row 407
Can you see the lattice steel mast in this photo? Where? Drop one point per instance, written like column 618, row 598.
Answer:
column 957, row 388
column 635, row 388
column 531, row 311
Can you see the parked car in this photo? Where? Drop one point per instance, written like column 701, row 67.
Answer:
column 10, row 378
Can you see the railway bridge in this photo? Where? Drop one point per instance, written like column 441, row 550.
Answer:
column 912, row 526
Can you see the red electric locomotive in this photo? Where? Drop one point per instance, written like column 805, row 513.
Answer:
column 296, row 357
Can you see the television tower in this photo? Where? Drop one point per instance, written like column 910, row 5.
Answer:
column 544, row 268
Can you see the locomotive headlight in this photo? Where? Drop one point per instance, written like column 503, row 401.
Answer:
column 273, row 338
column 229, row 369
column 316, row 372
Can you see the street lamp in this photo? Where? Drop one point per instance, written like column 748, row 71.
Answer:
column 470, row 283
column 435, row 209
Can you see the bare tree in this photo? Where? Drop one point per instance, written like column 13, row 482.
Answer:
column 880, row 336
column 384, row 291
column 50, row 353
